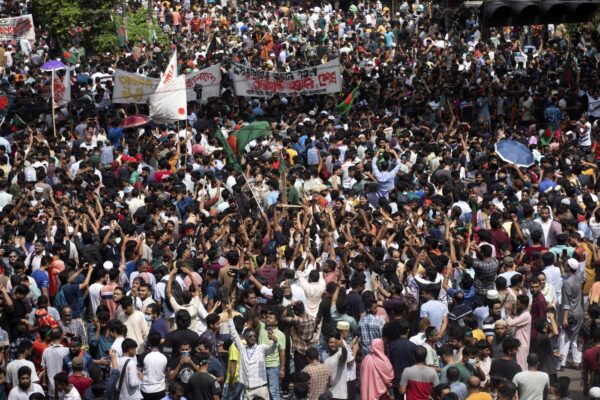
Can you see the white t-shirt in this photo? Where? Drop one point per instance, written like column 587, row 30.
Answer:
column 17, row 394
column 118, row 346
column 13, row 367
column 531, row 384
column 155, row 365
column 95, row 296
column 72, row 395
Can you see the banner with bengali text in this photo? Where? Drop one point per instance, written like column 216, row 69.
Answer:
column 252, row 82
column 17, row 28
column 131, row 88
column 206, row 83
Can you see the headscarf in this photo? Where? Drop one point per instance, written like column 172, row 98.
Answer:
column 376, row 372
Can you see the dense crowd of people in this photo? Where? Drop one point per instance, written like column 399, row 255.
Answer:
column 386, row 252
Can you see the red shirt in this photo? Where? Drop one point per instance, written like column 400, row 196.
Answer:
column 590, row 358
column 37, row 349
column 81, row 383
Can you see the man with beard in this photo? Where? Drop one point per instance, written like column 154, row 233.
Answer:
column 25, row 387
column 336, row 357
column 539, row 306
column 76, row 351
column 499, row 336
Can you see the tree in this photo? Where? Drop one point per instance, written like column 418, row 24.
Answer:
column 100, row 35
column 57, row 16
column 138, row 28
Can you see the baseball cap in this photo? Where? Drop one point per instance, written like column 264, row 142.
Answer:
column 78, row 363
column 508, row 260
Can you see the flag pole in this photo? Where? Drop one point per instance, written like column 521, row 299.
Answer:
column 53, row 116
column 254, row 195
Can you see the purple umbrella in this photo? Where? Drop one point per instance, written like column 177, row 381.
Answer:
column 52, row 65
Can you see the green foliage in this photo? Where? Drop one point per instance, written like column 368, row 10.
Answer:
column 100, row 36
column 57, row 16
column 138, row 29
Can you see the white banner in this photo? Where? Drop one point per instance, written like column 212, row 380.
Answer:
column 17, row 28
column 323, row 79
column 169, row 103
column 132, row 88
column 61, row 90
column 206, row 82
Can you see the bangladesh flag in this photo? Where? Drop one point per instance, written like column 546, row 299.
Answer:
column 546, row 137
column 346, row 105
column 248, row 133
column 17, row 124
column 5, row 104
column 230, row 156
column 72, row 57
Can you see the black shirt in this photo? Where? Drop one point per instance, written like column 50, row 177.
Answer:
column 542, row 346
column 505, row 368
column 176, row 338
column 185, row 372
column 401, row 356
column 203, row 386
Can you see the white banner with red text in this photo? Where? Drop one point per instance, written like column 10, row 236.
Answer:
column 252, row 82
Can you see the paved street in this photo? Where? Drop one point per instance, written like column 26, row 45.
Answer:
column 576, row 388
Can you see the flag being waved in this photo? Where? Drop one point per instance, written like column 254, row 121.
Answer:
column 6, row 102
column 72, row 57
column 249, row 132
column 346, row 105
column 230, row 156
column 169, row 101
column 61, row 89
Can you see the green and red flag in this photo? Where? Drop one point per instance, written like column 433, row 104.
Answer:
column 346, row 105
column 249, row 132
column 17, row 124
column 6, row 102
column 227, row 149
column 72, row 57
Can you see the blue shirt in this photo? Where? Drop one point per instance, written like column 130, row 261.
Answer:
column 115, row 135
column 160, row 326
column 74, row 298
column 385, row 179
column 103, row 343
column 41, row 278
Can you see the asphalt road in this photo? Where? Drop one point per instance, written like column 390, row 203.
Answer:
column 576, row 388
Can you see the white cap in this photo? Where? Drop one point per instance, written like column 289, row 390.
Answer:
column 595, row 392
column 39, row 189
column 573, row 263
column 492, row 294
column 108, row 265
column 565, row 201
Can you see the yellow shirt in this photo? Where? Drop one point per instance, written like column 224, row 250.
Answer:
column 480, row 396
column 234, row 355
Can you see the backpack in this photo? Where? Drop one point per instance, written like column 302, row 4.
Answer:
column 60, row 301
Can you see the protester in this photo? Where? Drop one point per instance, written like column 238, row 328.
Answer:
column 301, row 200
